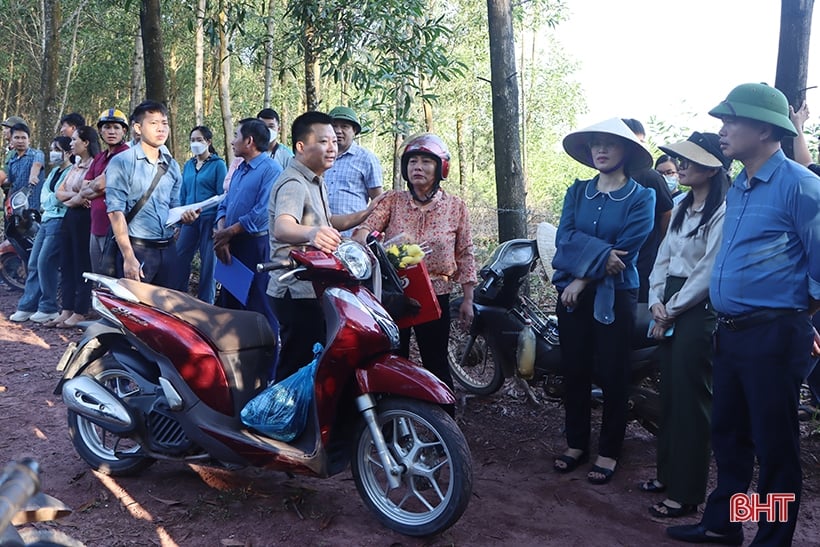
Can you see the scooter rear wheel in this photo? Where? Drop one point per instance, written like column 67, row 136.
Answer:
column 436, row 480
column 472, row 362
column 13, row 270
column 101, row 449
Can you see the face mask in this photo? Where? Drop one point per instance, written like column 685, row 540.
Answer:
column 198, row 147
column 55, row 157
column 671, row 182
column 274, row 134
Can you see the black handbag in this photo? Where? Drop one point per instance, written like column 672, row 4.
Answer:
column 111, row 251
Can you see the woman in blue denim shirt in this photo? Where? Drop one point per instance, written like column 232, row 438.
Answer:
column 604, row 222
column 202, row 178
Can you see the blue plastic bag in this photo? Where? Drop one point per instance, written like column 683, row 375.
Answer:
column 281, row 410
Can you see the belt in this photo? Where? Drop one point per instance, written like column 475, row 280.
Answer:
column 151, row 243
column 754, row 318
column 247, row 235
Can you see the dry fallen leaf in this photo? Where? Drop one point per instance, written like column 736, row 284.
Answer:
column 166, row 502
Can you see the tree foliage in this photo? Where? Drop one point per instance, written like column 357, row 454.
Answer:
column 404, row 65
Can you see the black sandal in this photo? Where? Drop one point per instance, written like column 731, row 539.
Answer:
column 665, row 511
column 652, row 486
column 570, row 463
column 606, row 474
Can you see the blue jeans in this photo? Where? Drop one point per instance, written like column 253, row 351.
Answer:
column 198, row 236
column 42, row 280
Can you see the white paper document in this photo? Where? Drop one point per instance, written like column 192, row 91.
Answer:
column 175, row 214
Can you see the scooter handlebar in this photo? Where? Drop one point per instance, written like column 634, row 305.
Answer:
column 277, row 264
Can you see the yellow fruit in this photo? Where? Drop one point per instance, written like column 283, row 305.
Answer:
column 393, row 250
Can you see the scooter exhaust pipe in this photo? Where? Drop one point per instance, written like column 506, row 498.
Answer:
column 92, row 400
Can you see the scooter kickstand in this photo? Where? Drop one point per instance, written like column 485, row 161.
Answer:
column 366, row 405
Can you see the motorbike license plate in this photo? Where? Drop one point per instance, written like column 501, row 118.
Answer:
column 67, row 355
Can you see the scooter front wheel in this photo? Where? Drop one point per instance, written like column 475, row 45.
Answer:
column 472, row 362
column 436, row 480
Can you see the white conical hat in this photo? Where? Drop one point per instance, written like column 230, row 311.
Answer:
column 637, row 156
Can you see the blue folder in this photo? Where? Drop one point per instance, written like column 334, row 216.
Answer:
column 235, row 277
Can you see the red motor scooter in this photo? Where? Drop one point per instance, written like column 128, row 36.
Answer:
column 164, row 376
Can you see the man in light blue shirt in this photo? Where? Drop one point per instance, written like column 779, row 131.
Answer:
column 765, row 285
column 356, row 175
column 145, row 242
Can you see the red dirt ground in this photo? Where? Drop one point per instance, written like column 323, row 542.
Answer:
column 517, row 498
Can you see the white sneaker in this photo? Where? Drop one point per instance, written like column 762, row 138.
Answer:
column 19, row 316
column 42, row 317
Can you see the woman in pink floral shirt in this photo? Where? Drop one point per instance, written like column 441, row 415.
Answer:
column 427, row 214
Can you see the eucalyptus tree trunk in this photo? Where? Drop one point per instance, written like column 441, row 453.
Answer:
column 522, row 69
column 398, row 137
column 509, row 180
column 793, row 54
column 6, row 98
column 50, row 72
column 72, row 57
column 199, row 66
column 224, row 83
column 173, row 105
column 155, row 86
column 271, row 28
column 137, row 73
column 462, row 160
column 426, row 106
column 311, row 68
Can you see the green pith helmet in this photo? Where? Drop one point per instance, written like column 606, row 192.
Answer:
column 13, row 120
column 758, row 102
column 347, row 114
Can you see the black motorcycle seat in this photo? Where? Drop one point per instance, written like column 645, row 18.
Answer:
column 228, row 330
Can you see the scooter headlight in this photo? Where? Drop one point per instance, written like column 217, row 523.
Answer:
column 356, row 259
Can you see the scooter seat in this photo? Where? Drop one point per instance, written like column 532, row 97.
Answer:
column 228, row 330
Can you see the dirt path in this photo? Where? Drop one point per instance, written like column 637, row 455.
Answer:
column 517, row 498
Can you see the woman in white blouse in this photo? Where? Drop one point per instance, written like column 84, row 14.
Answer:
column 683, row 321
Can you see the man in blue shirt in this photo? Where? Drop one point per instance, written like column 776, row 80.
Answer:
column 145, row 242
column 765, row 285
column 26, row 165
column 356, row 175
column 242, row 217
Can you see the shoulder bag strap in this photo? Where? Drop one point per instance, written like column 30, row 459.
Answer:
column 161, row 170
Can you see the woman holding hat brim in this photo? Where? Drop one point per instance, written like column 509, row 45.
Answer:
column 604, row 222
column 679, row 300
